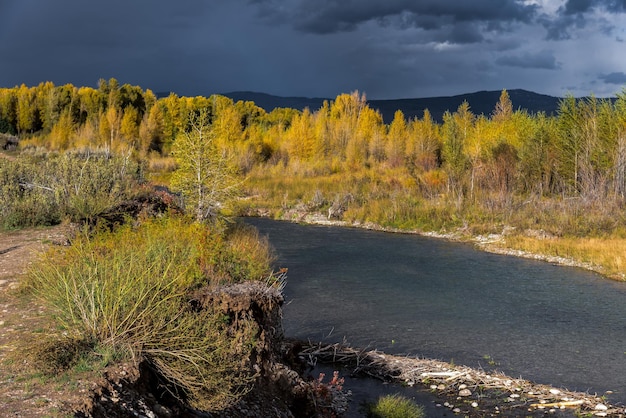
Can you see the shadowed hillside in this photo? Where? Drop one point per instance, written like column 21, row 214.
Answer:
column 481, row 102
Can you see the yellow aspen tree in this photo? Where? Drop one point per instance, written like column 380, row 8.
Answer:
column 8, row 111
column 87, row 136
column 423, row 155
column 322, row 129
column 151, row 131
column 61, row 135
column 301, row 137
column 369, row 127
column 129, row 128
column 344, row 114
column 114, row 120
column 504, row 107
column 226, row 126
column 26, row 109
column 424, row 143
column 91, row 102
column 396, row 140
column 47, row 105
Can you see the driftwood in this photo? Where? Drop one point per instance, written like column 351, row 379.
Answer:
column 468, row 391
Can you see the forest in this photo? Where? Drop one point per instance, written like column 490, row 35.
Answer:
column 560, row 176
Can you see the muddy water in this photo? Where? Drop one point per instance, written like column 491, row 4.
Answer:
column 407, row 294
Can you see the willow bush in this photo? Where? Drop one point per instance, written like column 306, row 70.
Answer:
column 128, row 292
column 46, row 190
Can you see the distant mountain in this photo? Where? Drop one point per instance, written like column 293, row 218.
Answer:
column 482, row 102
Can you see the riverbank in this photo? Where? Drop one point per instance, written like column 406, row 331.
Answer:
column 465, row 391
column 30, row 394
column 502, row 243
column 360, row 313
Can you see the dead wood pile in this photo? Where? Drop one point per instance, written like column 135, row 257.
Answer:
column 468, row 391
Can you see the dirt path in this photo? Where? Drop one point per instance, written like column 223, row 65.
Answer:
column 23, row 391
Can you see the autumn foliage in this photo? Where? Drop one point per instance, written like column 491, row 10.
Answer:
column 474, row 169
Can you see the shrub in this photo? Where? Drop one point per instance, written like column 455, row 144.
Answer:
column 395, row 406
column 45, row 190
column 128, row 291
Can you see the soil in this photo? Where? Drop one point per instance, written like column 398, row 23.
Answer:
column 25, row 392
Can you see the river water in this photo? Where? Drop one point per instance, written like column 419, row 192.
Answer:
column 407, row 294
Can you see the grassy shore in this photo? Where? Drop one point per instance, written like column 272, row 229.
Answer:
column 589, row 235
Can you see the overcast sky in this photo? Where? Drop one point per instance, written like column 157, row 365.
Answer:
column 319, row 48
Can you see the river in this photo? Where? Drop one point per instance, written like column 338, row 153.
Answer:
column 414, row 295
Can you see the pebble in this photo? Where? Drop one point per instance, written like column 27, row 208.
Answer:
column 555, row 391
column 601, row 407
column 474, row 404
column 456, row 410
column 465, row 392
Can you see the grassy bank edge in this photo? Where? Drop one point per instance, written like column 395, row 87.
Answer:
column 599, row 255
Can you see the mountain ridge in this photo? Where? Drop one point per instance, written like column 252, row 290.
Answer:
column 481, row 102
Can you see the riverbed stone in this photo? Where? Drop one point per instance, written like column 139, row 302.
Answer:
column 465, row 392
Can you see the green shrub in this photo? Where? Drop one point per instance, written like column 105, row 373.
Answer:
column 395, row 406
column 128, row 292
column 76, row 187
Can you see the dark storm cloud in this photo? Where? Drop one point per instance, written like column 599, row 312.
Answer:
column 330, row 16
column 576, row 14
column 577, row 6
column 583, row 6
column 316, row 48
column 618, row 78
column 542, row 60
column 80, row 42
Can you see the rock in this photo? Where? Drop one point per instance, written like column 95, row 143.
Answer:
column 601, row 407
column 162, row 411
column 555, row 391
column 465, row 392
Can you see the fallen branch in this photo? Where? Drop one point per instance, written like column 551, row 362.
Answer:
column 562, row 404
column 35, row 186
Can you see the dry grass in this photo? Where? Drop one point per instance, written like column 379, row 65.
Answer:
column 128, row 293
column 606, row 255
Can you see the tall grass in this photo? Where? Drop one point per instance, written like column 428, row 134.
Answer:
column 128, row 292
column 608, row 254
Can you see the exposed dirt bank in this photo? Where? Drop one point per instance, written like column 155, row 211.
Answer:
column 124, row 390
